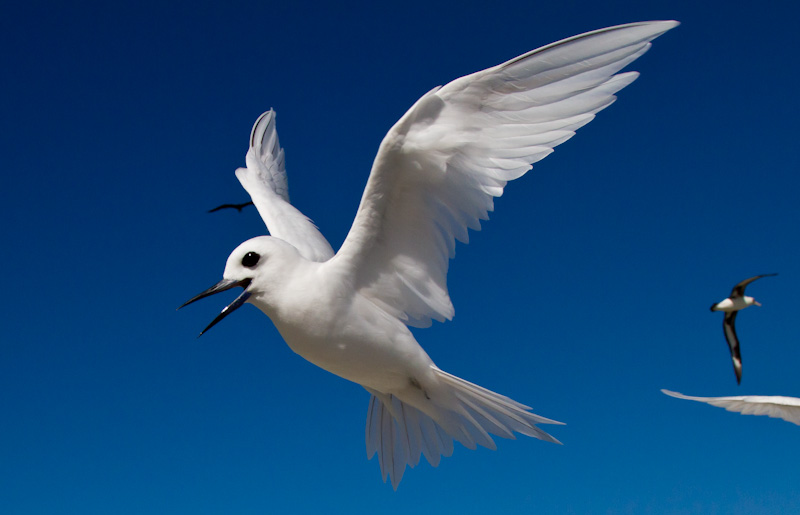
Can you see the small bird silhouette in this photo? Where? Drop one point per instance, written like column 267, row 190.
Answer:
column 237, row 207
column 731, row 306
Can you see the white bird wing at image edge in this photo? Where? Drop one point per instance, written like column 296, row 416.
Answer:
column 786, row 408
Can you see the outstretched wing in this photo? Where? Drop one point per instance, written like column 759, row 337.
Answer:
column 729, row 327
column 787, row 408
column 266, row 182
column 738, row 290
column 439, row 168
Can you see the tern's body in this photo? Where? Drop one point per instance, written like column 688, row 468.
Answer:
column 435, row 176
column 325, row 320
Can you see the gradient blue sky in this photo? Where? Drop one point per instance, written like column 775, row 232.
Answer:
column 586, row 293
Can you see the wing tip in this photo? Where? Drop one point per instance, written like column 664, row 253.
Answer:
column 673, row 394
column 660, row 26
column 269, row 115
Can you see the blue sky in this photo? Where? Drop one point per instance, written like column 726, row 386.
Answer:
column 586, row 293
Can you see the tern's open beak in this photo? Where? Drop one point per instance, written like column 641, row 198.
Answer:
column 757, row 303
column 225, row 284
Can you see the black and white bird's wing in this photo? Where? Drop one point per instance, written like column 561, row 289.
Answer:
column 738, row 290
column 729, row 326
column 439, row 168
column 787, row 408
column 265, row 181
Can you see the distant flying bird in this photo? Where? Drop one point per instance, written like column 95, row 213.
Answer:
column 434, row 177
column 731, row 306
column 787, row 408
column 237, row 207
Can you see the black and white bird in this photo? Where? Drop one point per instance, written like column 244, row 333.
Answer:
column 731, row 306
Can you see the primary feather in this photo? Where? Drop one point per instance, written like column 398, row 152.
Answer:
column 440, row 167
column 266, row 182
column 775, row 406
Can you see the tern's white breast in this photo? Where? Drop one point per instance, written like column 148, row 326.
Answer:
column 348, row 335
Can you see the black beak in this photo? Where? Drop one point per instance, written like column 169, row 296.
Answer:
column 225, row 284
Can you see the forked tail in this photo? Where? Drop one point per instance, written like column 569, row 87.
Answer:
column 400, row 433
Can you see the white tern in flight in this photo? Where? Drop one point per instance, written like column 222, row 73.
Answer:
column 434, row 177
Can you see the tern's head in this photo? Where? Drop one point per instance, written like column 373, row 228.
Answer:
column 253, row 265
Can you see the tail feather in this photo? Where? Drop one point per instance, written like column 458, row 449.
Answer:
column 436, row 442
column 514, row 416
column 401, row 449
column 401, row 433
column 495, row 426
column 383, row 438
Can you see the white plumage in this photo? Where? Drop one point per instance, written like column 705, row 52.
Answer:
column 266, row 182
column 435, row 176
column 787, row 408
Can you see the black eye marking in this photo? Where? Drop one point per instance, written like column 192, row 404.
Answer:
column 250, row 259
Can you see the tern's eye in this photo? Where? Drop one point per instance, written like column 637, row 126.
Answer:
column 250, row 259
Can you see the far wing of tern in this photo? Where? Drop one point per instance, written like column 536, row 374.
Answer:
column 266, row 182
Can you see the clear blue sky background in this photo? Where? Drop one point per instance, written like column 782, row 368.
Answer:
column 586, row 293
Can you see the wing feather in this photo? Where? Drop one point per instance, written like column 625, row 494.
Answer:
column 738, row 290
column 729, row 327
column 266, row 182
column 786, row 408
column 439, row 168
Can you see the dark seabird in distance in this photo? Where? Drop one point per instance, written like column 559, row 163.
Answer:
column 731, row 306
column 237, row 207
